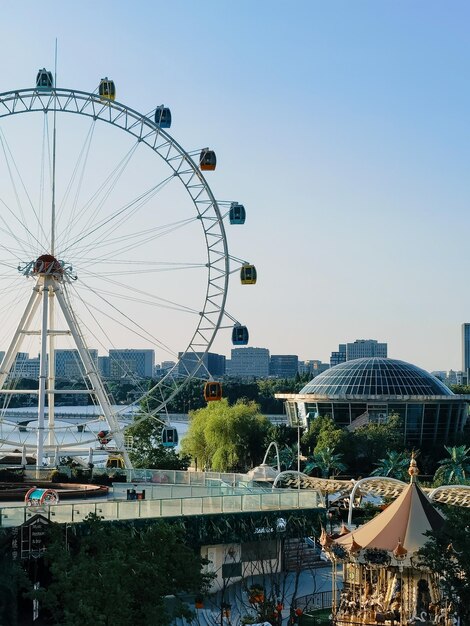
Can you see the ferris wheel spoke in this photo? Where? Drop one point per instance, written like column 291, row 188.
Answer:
column 145, row 237
column 12, row 168
column 119, row 218
column 94, row 205
column 157, row 300
column 76, row 179
column 141, row 332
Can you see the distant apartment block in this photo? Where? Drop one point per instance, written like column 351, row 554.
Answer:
column 284, row 365
column 312, row 367
column 249, row 363
column 363, row 348
column 201, row 365
column 103, row 366
column 339, row 356
column 163, row 368
column 131, row 363
column 465, row 348
column 69, row 365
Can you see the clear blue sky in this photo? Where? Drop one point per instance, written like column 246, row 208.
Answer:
column 343, row 127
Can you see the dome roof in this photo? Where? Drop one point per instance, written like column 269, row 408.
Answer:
column 376, row 377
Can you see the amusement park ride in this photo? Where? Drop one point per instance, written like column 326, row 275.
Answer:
column 51, row 240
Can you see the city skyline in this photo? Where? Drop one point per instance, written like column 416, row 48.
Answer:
column 340, row 128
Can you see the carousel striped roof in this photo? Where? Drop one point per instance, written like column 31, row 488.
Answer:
column 406, row 520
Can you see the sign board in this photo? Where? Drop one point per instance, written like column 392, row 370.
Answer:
column 31, row 542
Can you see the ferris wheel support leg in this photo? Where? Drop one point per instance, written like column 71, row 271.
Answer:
column 42, row 378
column 18, row 337
column 93, row 376
column 51, row 373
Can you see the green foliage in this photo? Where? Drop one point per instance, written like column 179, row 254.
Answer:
column 117, row 575
column 447, row 554
column 326, row 461
column 226, row 438
column 369, row 442
column 324, row 433
column 11, row 475
column 13, row 583
column 395, row 465
column 456, row 469
column 147, row 450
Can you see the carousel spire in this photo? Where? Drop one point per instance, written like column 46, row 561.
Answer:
column 400, row 551
column 413, row 470
column 354, row 547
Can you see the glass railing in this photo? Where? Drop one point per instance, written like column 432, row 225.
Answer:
column 164, row 507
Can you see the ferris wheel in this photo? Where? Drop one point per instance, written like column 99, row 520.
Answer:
column 109, row 234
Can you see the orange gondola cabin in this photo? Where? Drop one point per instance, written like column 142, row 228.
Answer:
column 207, row 160
column 212, row 391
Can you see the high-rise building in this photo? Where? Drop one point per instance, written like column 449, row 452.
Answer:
column 130, row 363
column 465, row 347
column 69, row 365
column 31, row 368
column 284, row 365
column 313, row 367
column 363, row 348
column 339, row 356
column 249, row 363
column 103, row 366
column 201, row 365
column 18, row 368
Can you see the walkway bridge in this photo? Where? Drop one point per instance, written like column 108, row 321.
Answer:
column 167, row 494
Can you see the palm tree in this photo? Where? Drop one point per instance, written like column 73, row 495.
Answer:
column 394, row 465
column 456, row 469
column 326, row 461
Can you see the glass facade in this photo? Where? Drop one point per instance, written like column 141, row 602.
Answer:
column 376, row 377
column 371, row 389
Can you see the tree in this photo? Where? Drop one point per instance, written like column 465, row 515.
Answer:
column 118, row 575
column 326, row 461
column 455, row 469
column 447, row 554
column 368, row 443
column 147, row 450
column 226, row 438
column 323, row 433
column 395, row 465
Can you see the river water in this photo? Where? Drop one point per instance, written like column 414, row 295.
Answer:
column 85, row 436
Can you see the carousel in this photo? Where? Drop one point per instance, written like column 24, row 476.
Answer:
column 384, row 581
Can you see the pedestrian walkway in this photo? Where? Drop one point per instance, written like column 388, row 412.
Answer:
column 293, row 589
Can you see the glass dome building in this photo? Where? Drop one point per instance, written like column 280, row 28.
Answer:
column 369, row 390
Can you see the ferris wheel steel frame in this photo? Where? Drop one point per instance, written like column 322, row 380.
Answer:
column 144, row 130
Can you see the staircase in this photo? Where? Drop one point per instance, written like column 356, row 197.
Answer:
column 298, row 555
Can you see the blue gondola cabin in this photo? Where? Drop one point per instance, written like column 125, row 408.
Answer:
column 163, row 116
column 240, row 335
column 169, row 437
column 237, row 213
column 44, row 80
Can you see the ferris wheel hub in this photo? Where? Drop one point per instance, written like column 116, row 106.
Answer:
column 46, row 264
